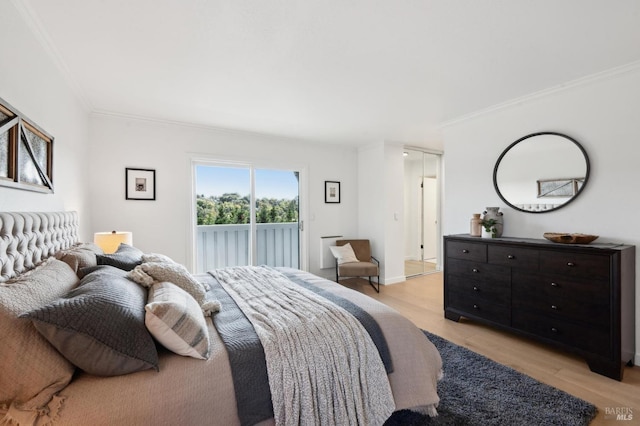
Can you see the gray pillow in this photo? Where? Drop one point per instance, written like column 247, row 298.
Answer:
column 80, row 256
column 83, row 272
column 126, row 257
column 99, row 326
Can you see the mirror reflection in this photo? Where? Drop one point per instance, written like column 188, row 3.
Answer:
column 541, row 172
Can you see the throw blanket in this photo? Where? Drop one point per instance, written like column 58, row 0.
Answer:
column 360, row 314
column 323, row 367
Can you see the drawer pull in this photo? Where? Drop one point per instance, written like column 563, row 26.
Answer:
column 475, row 288
column 554, row 307
column 554, row 330
column 571, row 264
column 476, row 307
column 465, row 251
column 554, row 285
column 511, row 256
column 476, row 270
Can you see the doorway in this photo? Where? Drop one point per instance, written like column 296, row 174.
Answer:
column 246, row 216
column 422, row 207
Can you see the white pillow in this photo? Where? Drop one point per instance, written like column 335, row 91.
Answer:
column 174, row 318
column 344, row 253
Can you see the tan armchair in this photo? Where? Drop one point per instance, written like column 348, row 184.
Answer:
column 363, row 264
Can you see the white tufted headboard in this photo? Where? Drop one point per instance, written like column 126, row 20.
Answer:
column 28, row 238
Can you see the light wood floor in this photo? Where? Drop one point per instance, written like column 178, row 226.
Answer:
column 421, row 300
column 416, row 267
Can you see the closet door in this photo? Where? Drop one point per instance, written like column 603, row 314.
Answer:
column 422, row 207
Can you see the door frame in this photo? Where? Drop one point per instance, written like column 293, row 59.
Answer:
column 215, row 161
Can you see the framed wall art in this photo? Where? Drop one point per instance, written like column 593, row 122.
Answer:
column 331, row 191
column 559, row 187
column 26, row 152
column 140, row 184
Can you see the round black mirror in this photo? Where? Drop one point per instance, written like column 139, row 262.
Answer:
column 541, row 172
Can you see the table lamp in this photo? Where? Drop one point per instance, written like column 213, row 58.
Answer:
column 109, row 241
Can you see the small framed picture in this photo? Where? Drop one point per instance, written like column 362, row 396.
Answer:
column 140, row 184
column 331, row 191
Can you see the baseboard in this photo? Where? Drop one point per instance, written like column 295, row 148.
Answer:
column 394, row 280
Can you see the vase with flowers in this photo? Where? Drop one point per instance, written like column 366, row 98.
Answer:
column 492, row 223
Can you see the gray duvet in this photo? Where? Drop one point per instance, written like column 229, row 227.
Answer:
column 188, row 391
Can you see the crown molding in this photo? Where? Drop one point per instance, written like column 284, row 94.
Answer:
column 583, row 81
column 35, row 25
column 207, row 127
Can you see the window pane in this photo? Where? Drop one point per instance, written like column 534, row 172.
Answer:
column 28, row 171
column 4, row 154
column 276, row 196
column 277, row 233
column 4, row 149
column 27, row 168
column 223, row 217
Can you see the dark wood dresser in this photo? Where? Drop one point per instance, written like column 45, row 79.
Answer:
column 579, row 298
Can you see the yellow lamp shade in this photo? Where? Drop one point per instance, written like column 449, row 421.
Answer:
column 109, row 241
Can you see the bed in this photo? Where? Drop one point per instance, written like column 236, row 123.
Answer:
column 39, row 251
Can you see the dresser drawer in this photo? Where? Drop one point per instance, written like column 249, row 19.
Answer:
column 480, row 308
column 476, row 252
column 479, row 271
column 491, row 291
column 587, row 338
column 595, row 312
column 515, row 257
column 559, row 287
column 581, row 265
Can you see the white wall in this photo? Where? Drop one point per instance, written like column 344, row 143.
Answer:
column 393, row 220
column 164, row 225
column 371, row 203
column 381, row 206
column 603, row 116
column 30, row 82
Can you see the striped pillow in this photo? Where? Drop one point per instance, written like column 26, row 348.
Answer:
column 175, row 319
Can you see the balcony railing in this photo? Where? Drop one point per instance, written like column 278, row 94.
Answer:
column 219, row 246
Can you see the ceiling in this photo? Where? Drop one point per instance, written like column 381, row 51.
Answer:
column 343, row 71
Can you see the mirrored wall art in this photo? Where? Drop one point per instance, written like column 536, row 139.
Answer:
column 541, row 172
column 26, row 152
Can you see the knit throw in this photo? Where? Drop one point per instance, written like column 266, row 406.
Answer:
column 322, row 365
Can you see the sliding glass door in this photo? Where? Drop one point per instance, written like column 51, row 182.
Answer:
column 246, row 216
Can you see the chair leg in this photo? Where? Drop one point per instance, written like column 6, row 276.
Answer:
column 374, row 287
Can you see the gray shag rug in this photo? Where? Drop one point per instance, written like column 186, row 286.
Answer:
column 478, row 391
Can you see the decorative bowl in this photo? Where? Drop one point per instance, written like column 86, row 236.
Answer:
column 569, row 238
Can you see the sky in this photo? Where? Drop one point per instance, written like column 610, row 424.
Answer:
column 278, row 184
